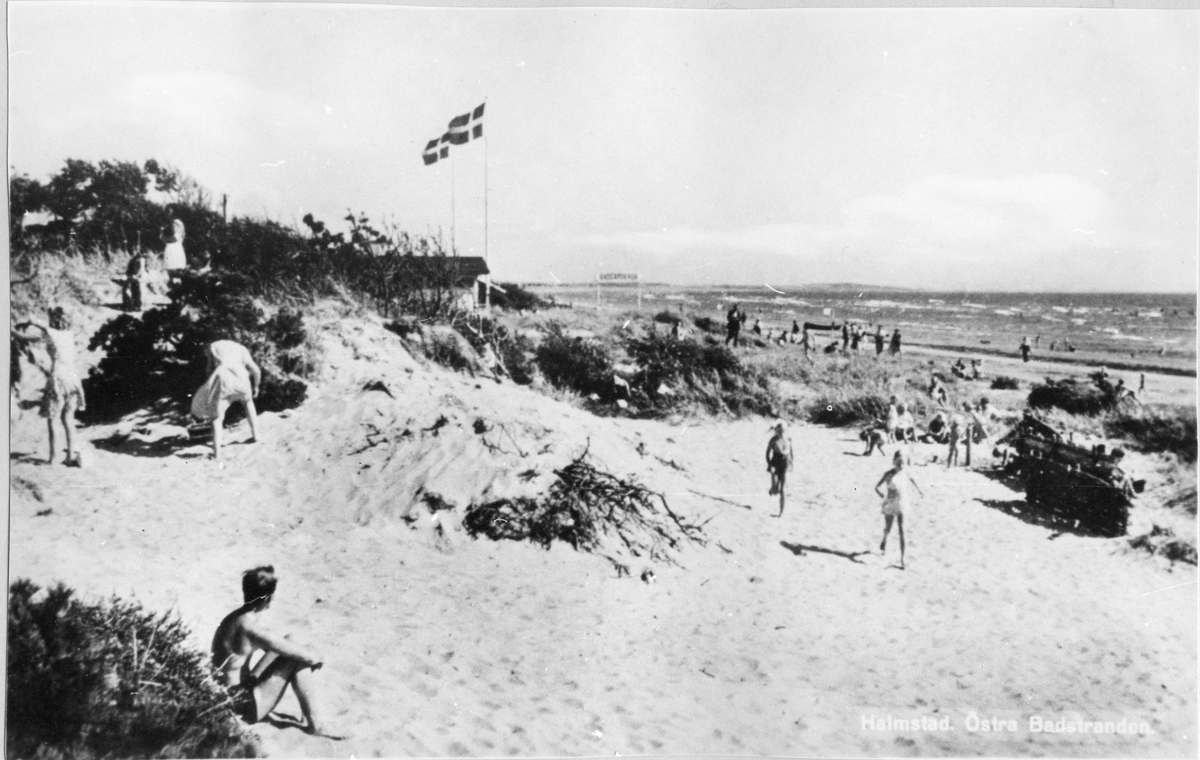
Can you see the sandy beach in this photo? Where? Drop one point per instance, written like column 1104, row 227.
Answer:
column 783, row 636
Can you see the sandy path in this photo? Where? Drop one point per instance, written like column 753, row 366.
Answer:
column 776, row 638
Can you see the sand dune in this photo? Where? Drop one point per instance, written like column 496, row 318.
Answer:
column 778, row 637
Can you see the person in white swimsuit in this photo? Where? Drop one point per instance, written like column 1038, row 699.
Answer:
column 232, row 377
column 63, row 396
column 256, row 689
column 895, row 500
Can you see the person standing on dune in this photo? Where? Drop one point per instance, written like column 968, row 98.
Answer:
column 256, row 690
column 895, row 501
column 174, row 258
column 878, row 340
column 779, row 461
column 232, row 377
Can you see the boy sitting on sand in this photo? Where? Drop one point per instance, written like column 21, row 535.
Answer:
column 256, row 690
column 895, row 501
column 779, row 460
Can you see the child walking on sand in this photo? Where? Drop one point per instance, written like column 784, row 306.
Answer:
column 779, row 460
column 895, row 501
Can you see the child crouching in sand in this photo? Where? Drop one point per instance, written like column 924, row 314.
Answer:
column 895, row 501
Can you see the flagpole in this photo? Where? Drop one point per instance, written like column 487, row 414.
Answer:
column 487, row 291
column 453, row 248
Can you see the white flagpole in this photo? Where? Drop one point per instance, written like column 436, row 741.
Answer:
column 453, row 247
column 487, row 291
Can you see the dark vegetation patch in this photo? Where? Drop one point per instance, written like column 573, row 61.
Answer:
column 1157, row 429
column 1005, row 383
column 161, row 354
column 517, row 298
column 582, row 507
column 679, row 373
column 577, row 364
column 109, row 680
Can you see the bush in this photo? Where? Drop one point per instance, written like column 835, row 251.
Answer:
column 162, row 353
column 667, row 317
column 517, row 298
column 843, row 410
column 447, row 350
column 1005, row 383
column 1071, row 397
column 706, row 374
column 708, row 325
column 1157, row 429
column 575, row 364
column 110, row 680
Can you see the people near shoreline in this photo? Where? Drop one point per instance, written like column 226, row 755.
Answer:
column 894, row 348
column 878, row 340
column 795, row 330
column 174, row 258
column 855, row 338
column 255, row 688
column 1025, row 349
column 233, row 377
column 976, row 369
column 895, row 500
column 779, row 461
column 807, row 344
column 1142, row 384
column 757, row 329
column 63, row 394
column 845, row 337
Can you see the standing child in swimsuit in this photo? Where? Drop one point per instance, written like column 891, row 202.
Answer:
column 779, row 460
column 955, row 432
column 896, row 500
column 64, row 391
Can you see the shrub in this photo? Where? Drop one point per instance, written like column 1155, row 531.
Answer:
column 110, row 680
column 162, row 353
column 840, row 410
column 513, row 350
column 1157, row 429
column 706, row 374
column 1072, row 397
column 517, row 298
column 580, row 365
column 708, row 325
column 667, row 317
column 1005, row 383
column 446, row 349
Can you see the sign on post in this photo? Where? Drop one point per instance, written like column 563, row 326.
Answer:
column 618, row 278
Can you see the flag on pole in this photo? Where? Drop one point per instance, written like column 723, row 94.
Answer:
column 463, row 129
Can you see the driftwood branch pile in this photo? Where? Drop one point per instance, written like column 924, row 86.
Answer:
column 583, row 506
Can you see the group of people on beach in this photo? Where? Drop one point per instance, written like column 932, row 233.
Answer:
column 853, row 335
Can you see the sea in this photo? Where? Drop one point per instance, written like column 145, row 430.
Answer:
column 1152, row 328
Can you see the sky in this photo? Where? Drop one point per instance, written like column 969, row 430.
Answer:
column 974, row 149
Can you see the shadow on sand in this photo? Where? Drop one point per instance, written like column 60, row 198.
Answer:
column 800, row 549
